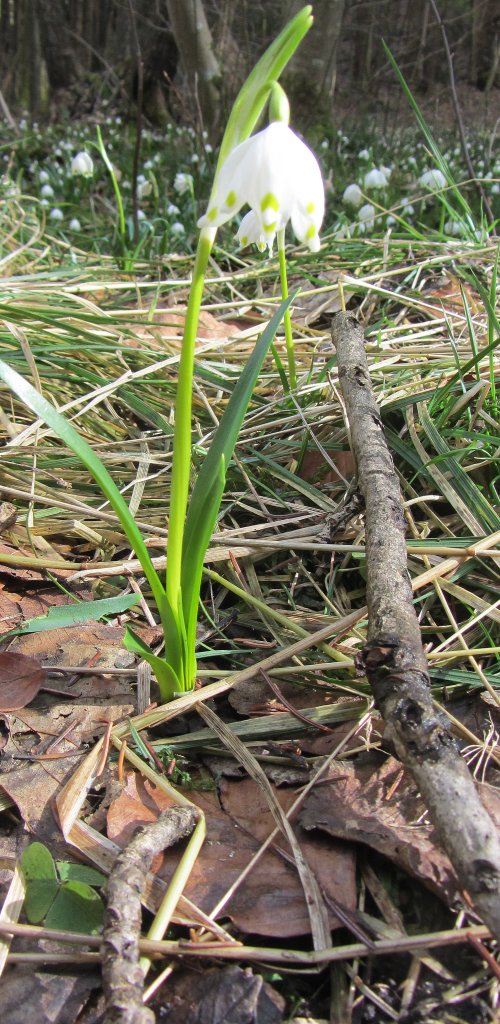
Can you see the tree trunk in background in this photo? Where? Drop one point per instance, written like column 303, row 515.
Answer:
column 58, row 48
column 317, row 54
column 200, row 66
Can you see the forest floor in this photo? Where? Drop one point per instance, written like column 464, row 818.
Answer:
column 96, row 326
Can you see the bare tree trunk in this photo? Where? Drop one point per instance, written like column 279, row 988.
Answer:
column 199, row 63
column 317, row 54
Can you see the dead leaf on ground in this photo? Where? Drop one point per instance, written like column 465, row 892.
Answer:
column 271, row 900
column 218, row 996
column 168, row 326
column 382, row 809
column 20, row 680
column 45, row 997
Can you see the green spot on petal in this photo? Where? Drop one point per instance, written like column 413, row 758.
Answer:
column 311, row 231
column 310, row 208
column 269, row 200
column 230, row 198
column 271, row 228
column 211, row 215
column 244, row 240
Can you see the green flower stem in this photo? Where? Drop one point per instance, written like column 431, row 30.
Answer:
column 287, row 321
column 181, row 463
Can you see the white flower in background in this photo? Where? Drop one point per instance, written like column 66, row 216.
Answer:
column 406, row 208
column 433, row 179
column 43, row 177
column 183, row 183
column 74, row 224
column 495, row 188
column 56, row 214
column 172, row 210
column 364, row 154
column 353, row 195
column 376, row 178
column 144, row 189
column 141, row 215
column 278, row 176
column 453, row 227
column 177, row 228
column 366, row 216
column 47, row 191
column 82, row 164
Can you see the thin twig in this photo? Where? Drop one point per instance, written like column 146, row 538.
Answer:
column 393, row 657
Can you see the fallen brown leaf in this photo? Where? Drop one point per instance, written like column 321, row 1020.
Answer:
column 219, row 996
column 271, row 900
column 20, row 680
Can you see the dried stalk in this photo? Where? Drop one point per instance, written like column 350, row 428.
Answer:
column 123, row 977
column 393, row 657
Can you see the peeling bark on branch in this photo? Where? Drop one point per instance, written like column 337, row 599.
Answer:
column 122, row 975
column 393, row 657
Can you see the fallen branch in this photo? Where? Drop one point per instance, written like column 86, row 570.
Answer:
column 393, row 657
column 123, row 978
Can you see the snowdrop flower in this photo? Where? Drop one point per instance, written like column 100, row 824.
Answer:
column 183, row 183
column 366, row 216
column 364, row 155
column 144, row 189
column 74, row 224
column 56, row 214
column 353, row 195
column 82, row 164
column 375, row 178
column 177, row 228
column 47, row 191
column 278, row 176
column 172, row 210
column 407, row 208
column 141, row 215
column 148, row 166
column 433, row 179
column 453, row 227
column 43, row 177
column 495, row 188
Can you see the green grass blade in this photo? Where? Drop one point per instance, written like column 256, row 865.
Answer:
column 208, row 489
column 166, row 677
column 45, row 411
column 64, row 615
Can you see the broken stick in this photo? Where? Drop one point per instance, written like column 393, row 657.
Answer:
column 122, row 975
column 393, row 656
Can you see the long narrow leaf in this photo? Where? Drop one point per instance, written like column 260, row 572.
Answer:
column 70, row 614
column 203, row 507
column 42, row 408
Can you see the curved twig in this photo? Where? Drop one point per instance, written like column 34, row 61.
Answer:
column 122, row 975
column 393, row 657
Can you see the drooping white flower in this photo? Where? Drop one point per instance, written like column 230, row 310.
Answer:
column 56, row 214
column 177, row 228
column 47, row 191
column 278, row 176
column 172, row 210
column 376, row 178
column 144, row 189
column 453, row 227
column 366, row 216
column 433, row 179
column 74, row 224
column 82, row 164
column 353, row 195
column 183, row 183
column 43, row 177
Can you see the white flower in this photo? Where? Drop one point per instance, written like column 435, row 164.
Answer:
column 366, row 215
column 364, row 154
column 56, row 214
column 141, row 215
column 353, row 195
column 43, row 177
column 376, row 178
column 278, row 176
column 144, row 189
column 453, row 227
column 183, row 183
column 47, row 191
column 74, row 224
column 82, row 164
column 177, row 228
column 433, row 179
column 172, row 210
